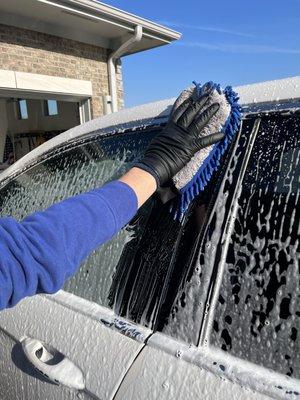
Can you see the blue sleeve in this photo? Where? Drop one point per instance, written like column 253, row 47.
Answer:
column 38, row 254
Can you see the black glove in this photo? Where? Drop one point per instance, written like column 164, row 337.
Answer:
column 182, row 137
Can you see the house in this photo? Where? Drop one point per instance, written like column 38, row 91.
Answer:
column 60, row 66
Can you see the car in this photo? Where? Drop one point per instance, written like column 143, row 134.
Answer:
column 203, row 308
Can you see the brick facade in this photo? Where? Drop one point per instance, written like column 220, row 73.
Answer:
column 28, row 51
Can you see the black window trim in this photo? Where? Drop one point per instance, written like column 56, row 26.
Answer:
column 219, row 264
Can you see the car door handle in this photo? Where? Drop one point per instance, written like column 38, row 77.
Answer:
column 52, row 364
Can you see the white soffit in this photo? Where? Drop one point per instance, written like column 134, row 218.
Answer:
column 85, row 21
column 7, row 79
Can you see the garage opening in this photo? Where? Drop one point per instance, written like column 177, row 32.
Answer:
column 27, row 123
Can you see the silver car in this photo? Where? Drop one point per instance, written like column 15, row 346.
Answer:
column 208, row 308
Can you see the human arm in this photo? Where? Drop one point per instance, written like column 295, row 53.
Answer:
column 38, row 254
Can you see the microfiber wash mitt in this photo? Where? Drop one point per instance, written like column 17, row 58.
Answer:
column 193, row 178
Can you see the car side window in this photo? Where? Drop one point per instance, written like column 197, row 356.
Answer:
column 258, row 312
column 154, row 276
column 139, row 272
column 71, row 170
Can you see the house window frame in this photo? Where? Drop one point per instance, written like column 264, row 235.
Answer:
column 47, row 112
column 19, row 110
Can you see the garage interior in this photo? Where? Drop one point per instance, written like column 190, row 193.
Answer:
column 35, row 108
column 27, row 123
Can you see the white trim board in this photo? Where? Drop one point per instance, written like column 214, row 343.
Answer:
column 24, row 84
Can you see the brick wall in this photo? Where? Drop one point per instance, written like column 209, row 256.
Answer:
column 34, row 52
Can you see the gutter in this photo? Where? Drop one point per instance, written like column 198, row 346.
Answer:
column 102, row 13
column 111, row 64
column 129, row 20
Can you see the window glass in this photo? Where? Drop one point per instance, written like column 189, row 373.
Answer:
column 149, row 272
column 157, row 279
column 70, row 171
column 22, row 109
column 150, row 284
column 195, row 254
column 140, row 271
column 258, row 313
column 51, row 107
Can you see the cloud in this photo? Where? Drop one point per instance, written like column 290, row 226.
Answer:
column 239, row 48
column 179, row 25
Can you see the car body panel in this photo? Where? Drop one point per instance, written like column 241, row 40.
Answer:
column 206, row 373
column 99, row 344
column 19, row 380
column 158, row 374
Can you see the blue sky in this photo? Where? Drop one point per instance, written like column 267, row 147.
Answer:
column 231, row 42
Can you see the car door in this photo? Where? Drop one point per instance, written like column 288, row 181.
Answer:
column 78, row 322
column 259, row 319
column 227, row 325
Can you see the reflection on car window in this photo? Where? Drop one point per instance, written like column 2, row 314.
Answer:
column 258, row 314
column 71, row 171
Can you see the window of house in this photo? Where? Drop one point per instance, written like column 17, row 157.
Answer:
column 22, row 109
column 258, row 313
column 51, row 108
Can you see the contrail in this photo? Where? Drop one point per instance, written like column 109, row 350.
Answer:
column 239, row 48
column 179, row 25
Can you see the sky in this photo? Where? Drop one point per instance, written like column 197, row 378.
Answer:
column 232, row 42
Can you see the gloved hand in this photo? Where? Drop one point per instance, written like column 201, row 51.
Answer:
column 182, row 137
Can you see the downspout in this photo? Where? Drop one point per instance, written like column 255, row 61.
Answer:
column 138, row 33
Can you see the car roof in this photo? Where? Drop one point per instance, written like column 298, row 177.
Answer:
column 276, row 94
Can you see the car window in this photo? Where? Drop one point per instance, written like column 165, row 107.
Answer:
column 140, row 272
column 71, row 170
column 193, row 258
column 153, row 278
column 258, row 313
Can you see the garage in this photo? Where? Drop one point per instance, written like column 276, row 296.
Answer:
column 31, row 122
column 35, row 108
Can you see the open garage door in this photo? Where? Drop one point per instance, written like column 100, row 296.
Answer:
column 35, row 108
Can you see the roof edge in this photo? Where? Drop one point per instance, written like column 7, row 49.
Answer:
column 116, row 14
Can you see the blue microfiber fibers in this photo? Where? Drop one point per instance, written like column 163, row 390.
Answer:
column 193, row 178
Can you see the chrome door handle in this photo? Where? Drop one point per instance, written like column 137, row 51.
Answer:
column 52, row 364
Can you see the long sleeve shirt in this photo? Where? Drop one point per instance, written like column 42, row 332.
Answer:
column 39, row 253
